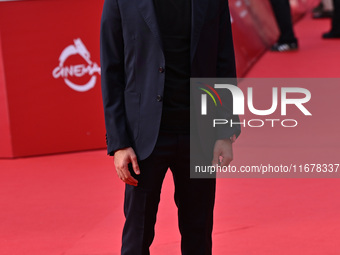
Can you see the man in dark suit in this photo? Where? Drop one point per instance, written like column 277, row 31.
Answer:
column 149, row 51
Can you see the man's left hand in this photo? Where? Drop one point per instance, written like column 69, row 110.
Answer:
column 223, row 150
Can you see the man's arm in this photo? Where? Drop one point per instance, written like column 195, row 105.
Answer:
column 113, row 86
column 226, row 68
column 112, row 77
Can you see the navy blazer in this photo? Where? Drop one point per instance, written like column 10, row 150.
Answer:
column 132, row 60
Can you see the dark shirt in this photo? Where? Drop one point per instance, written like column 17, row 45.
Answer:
column 174, row 21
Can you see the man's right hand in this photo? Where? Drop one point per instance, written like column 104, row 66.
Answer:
column 122, row 158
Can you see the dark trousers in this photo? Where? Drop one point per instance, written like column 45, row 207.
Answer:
column 336, row 17
column 281, row 9
column 194, row 199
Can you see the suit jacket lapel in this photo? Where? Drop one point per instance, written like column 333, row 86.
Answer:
column 199, row 10
column 147, row 10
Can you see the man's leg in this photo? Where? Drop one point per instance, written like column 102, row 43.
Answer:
column 195, row 200
column 335, row 30
column 141, row 202
column 281, row 9
column 336, row 18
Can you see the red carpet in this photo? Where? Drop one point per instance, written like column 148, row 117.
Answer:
column 72, row 204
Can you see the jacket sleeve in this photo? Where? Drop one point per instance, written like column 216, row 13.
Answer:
column 226, row 68
column 112, row 77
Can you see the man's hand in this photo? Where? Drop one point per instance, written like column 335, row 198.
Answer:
column 122, row 158
column 223, row 150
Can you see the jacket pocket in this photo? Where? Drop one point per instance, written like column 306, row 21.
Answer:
column 132, row 110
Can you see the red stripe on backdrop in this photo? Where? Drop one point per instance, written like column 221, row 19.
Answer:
column 5, row 134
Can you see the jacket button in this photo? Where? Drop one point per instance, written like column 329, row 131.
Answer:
column 161, row 69
column 159, row 98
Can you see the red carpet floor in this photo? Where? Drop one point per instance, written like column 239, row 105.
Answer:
column 71, row 204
